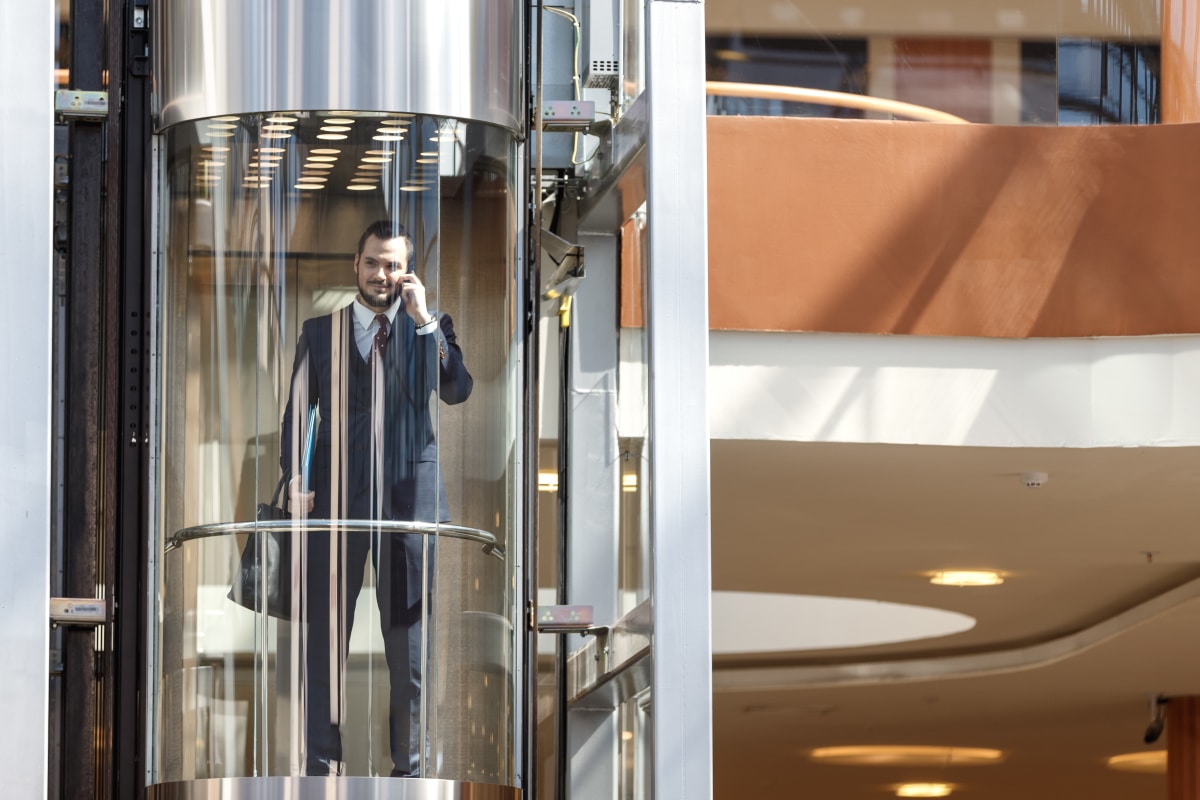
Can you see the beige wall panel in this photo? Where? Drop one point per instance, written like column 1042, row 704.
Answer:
column 952, row 230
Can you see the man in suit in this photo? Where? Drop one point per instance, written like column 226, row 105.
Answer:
column 371, row 369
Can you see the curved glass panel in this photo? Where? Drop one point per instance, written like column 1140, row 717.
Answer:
column 337, row 428
column 1012, row 62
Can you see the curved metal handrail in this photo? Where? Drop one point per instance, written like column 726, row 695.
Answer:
column 824, row 97
column 484, row 538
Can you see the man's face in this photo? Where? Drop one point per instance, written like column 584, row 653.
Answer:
column 379, row 268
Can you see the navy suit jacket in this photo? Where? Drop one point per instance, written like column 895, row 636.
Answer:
column 371, row 463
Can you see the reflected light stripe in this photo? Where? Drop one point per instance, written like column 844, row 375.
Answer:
column 828, row 98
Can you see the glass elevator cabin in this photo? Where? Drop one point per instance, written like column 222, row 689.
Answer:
column 338, row 362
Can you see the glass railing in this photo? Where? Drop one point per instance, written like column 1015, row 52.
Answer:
column 336, row 431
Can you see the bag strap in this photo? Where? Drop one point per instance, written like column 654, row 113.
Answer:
column 287, row 475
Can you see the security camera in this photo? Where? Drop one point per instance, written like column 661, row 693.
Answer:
column 1158, row 718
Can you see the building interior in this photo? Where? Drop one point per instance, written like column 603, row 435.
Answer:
column 952, row 374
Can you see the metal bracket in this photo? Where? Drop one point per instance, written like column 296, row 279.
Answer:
column 78, row 611
column 78, row 104
column 567, row 619
column 568, row 115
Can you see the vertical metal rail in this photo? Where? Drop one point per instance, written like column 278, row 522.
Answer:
column 677, row 330
column 525, row 690
column 87, row 473
column 130, row 175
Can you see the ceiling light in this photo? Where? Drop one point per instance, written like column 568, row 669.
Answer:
column 388, row 153
column 317, row 165
column 1152, row 761
column 220, row 134
column 629, row 482
column 731, row 55
column 384, row 137
column 906, row 755
column 277, row 128
column 332, row 136
column 426, row 189
column 326, row 151
column 270, row 149
column 308, row 186
column 429, row 153
column 332, row 121
column 212, row 148
column 335, row 128
column 924, row 789
column 283, row 120
column 547, row 481
column 320, row 159
column 967, row 577
column 313, row 176
column 361, row 187
column 225, row 119
column 376, row 160
column 427, row 161
column 365, row 180
column 274, row 135
column 371, row 168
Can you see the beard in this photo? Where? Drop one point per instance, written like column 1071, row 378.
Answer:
column 379, row 297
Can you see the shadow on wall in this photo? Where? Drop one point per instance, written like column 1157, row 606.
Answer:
column 951, row 230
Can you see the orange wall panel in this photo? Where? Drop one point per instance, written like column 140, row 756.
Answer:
column 952, row 230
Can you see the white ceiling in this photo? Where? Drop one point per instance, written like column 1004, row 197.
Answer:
column 870, row 521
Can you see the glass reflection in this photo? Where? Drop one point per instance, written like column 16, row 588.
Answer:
column 1000, row 63
column 336, row 448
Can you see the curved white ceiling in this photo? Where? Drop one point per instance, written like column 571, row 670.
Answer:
column 759, row 622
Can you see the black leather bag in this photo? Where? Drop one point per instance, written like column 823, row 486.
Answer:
column 263, row 581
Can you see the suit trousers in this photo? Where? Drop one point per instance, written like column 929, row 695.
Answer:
column 330, row 618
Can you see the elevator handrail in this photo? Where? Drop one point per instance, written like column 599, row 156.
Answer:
column 484, row 538
column 824, row 97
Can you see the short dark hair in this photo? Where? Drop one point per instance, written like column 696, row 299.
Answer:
column 384, row 229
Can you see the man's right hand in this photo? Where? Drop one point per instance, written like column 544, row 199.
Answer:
column 300, row 498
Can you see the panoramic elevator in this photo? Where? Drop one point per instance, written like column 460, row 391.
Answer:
column 337, row 500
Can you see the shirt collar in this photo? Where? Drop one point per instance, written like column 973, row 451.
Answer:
column 365, row 316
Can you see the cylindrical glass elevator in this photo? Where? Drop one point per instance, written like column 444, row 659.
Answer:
column 338, row 407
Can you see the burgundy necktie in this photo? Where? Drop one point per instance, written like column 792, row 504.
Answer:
column 381, row 334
